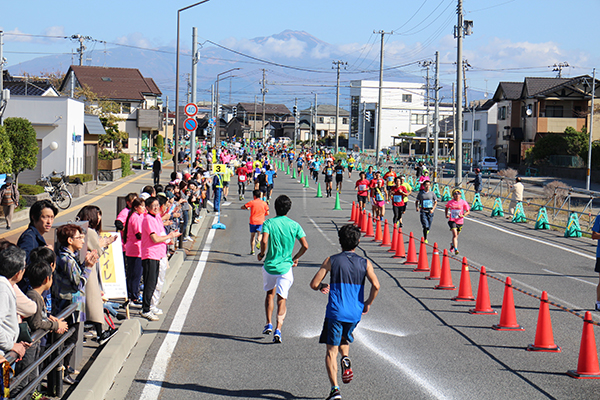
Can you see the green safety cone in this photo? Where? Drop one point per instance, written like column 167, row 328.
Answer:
column 446, row 194
column 477, row 205
column 411, row 181
column 287, row 172
column 541, row 221
column 337, row 201
column 306, row 182
column 319, row 194
column 302, row 177
column 436, row 191
column 573, row 229
column 519, row 215
column 294, row 173
column 497, row 211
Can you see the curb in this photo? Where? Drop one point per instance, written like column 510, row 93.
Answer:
column 99, row 378
column 101, row 375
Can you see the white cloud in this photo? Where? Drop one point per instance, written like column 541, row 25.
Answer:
column 15, row 35
column 55, row 31
column 135, row 39
column 271, row 47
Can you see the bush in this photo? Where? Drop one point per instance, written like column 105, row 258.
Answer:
column 30, row 190
column 125, row 163
column 558, row 189
column 82, row 177
column 22, row 204
column 107, row 155
column 508, row 173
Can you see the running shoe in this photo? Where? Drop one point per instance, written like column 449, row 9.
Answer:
column 597, row 307
column 335, row 394
column 426, row 241
column 258, row 244
column 277, row 336
column 156, row 310
column 268, row 329
column 347, row 374
column 456, row 251
column 106, row 336
column 252, row 252
column 150, row 316
column 451, row 248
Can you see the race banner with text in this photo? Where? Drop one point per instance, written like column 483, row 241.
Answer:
column 112, row 269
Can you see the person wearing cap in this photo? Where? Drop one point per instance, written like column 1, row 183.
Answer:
column 425, row 204
column 378, row 195
column 390, row 181
column 9, row 197
column 339, row 175
column 477, row 180
column 456, row 210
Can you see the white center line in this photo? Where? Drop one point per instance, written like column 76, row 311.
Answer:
column 161, row 362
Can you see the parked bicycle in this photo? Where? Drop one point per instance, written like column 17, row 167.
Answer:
column 58, row 191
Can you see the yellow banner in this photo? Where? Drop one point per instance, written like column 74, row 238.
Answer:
column 219, row 168
column 214, row 153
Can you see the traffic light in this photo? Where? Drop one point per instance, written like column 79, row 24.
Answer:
column 368, row 116
column 234, row 111
column 220, row 110
column 295, row 111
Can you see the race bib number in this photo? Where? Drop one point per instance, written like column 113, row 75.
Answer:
column 427, row 203
column 329, row 172
column 378, row 196
column 362, row 188
column 397, row 198
column 242, row 178
column 390, row 179
column 454, row 214
column 339, row 172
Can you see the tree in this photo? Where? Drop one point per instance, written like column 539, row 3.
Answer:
column 23, row 140
column 6, row 152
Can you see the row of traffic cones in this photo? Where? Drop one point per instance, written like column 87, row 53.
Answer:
column 587, row 366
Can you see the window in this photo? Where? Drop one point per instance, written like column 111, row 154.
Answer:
column 344, row 120
column 502, row 112
column 554, row 111
column 332, row 120
column 418, row 119
column 125, row 108
column 407, row 98
column 125, row 143
column 321, row 120
column 476, row 124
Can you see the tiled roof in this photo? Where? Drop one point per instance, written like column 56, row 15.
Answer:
column 511, row 90
column 277, row 109
column 535, row 86
column 114, row 83
column 327, row 110
column 36, row 88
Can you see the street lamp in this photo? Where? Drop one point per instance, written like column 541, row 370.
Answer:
column 218, row 119
column 176, row 126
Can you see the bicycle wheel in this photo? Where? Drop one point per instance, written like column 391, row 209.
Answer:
column 62, row 199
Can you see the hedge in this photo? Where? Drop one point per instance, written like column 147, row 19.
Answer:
column 30, row 189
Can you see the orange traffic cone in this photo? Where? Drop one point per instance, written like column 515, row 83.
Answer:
column 482, row 306
column 587, row 366
column 464, row 289
column 446, row 277
column 423, row 263
column 352, row 212
column 544, row 338
column 400, row 251
column 378, row 235
column 386, row 235
column 412, row 252
column 508, row 316
column 363, row 223
column 394, row 240
column 369, row 230
column 435, row 263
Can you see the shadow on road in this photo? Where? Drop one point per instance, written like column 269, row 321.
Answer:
column 246, row 394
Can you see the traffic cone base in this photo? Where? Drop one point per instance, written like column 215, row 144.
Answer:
column 587, row 365
column 554, row 349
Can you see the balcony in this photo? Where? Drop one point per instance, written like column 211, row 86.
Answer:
column 558, row 125
column 149, row 119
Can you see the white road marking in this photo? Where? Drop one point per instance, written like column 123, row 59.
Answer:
column 161, row 362
column 570, row 277
column 395, row 361
column 314, row 223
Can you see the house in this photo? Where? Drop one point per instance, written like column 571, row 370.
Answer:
column 137, row 99
column 325, row 123
column 26, row 86
column 536, row 107
column 480, row 127
column 415, row 144
column 251, row 114
column 404, row 110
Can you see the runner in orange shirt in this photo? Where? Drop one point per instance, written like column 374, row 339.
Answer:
column 258, row 210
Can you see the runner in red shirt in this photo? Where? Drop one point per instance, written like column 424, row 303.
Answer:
column 242, row 175
column 397, row 194
column 362, row 190
column 390, row 179
column 378, row 195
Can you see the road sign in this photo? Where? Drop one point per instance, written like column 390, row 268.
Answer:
column 219, row 168
column 190, row 109
column 190, row 124
column 212, row 120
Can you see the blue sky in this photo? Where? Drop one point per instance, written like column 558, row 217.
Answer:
column 511, row 39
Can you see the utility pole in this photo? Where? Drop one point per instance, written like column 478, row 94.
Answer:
column 589, row 166
column 195, row 60
column 166, row 119
column 559, row 67
column 264, row 91
column 436, row 116
column 337, row 65
column 1, row 75
column 379, row 108
column 254, row 125
column 295, row 120
column 461, row 29
column 316, row 120
column 426, row 64
column 82, row 47
column 364, row 113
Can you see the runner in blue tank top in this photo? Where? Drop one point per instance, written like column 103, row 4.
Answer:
column 346, row 303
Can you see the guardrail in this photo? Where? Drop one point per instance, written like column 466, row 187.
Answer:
column 53, row 356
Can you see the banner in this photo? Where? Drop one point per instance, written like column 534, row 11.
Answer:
column 112, row 269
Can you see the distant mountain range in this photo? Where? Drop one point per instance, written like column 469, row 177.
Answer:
column 308, row 71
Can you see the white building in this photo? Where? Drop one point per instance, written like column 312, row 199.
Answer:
column 404, row 110
column 59, row 124
column 480, row 123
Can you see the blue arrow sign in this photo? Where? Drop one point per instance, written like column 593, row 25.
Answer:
column 190, row 124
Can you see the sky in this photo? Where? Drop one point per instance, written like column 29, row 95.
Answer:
column 511, row 38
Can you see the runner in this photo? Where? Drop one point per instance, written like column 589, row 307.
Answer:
column 226, row 179
column 242, row 175
column 279, row 236
column 370, row 173
column 339, row 175
column 351, row 162
column 328, row 172
column 258, row 210
column 362, row 190
column 316, row 168
column 398, row 194
column 299, row 163
column 263, row 184
column 456, row 210
column 378, row 196
column 271, row 174
column 346, row 303
column 390, row 181
column 426, row 203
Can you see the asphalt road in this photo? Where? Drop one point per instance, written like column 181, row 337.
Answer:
column 415, row 343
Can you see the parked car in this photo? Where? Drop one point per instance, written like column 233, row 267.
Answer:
column 489, row 164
